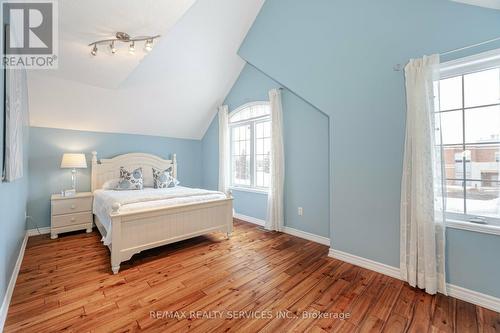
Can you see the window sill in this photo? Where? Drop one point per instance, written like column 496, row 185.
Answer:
column 248, row 189
column 469, row 226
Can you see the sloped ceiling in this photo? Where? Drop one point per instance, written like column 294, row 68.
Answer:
column 495, row 4
column 172, row 91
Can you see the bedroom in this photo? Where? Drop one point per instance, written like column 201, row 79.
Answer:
column 306, row 220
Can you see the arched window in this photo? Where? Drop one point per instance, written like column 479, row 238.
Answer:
column 250, row 136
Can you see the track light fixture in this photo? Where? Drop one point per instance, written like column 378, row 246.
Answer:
column 149, row 45
column 124, row 38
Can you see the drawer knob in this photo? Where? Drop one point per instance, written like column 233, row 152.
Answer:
column 72, row 219
column 73, row 207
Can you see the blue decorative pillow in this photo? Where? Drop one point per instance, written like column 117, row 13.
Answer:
column 164, row 179
column 130, row 180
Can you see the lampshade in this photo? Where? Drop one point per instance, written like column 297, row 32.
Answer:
column 74, row 161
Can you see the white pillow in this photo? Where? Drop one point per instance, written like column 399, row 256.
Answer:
column 111, row 184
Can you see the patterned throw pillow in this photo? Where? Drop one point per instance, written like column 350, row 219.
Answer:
column 164, row 179
column 130, row 180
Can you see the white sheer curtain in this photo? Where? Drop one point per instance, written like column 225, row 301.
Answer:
column 422, row 188
column 16, row 121
column 224, row 164
column 275, row 210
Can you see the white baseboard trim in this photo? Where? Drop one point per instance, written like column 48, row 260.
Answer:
column 471, row 296
column 39, row 231
column 12, row 283
column 474, row 297
column 249, row 219
column 366, row 263
column 286, row 230
column 307, row 235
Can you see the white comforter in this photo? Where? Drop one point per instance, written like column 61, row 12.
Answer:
column 147, row 198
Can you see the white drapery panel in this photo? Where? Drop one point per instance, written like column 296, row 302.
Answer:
column 224, row 162
column 16, row 121
column 275, row 203
column 422, row 254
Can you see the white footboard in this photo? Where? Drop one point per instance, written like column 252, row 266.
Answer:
column 137, row 231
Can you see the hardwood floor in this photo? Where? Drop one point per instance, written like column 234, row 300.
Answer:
column 211, row 284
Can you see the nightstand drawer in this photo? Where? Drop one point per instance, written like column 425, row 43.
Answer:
column 69, row 206
column 71, row 219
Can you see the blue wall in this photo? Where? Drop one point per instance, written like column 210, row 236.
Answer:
column 339, row 55
column 306, row 156
column 13, row 198
column 47, row 146
column 210, row 150
column 472, row 260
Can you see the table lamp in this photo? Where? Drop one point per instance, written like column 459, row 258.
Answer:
column 73, row 162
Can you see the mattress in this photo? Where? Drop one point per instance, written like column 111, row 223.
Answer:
column 147, row 198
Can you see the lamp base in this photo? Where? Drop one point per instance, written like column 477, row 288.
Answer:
column 73, row 179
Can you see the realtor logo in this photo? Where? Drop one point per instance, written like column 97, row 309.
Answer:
column 31, row 34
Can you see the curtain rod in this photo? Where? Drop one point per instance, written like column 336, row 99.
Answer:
column 399, row 67
column 470, row 46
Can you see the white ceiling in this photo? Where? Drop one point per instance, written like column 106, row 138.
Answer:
column 172, row 91
column 495, row 4
column 83, row 22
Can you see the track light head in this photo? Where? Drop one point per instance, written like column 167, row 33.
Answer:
column 149, row 45
column 131, row 48
column 112, row 47
column 94, row 50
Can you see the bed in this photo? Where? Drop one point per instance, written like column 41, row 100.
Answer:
column 134, row 221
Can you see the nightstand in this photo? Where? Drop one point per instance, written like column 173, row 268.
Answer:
column 70, row 213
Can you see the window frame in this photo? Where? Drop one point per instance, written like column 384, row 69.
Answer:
column 252, row 122
column 460, row 68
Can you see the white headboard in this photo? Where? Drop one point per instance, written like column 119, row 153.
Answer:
column 107, row 169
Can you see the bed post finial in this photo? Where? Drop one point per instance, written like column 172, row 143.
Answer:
column 116, row 207
column 94, row 157
column 174, row 163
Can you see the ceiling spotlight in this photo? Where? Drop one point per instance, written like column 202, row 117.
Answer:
column 149, row 45
column 94, row 50
column 131, row 48
column 112, row 47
